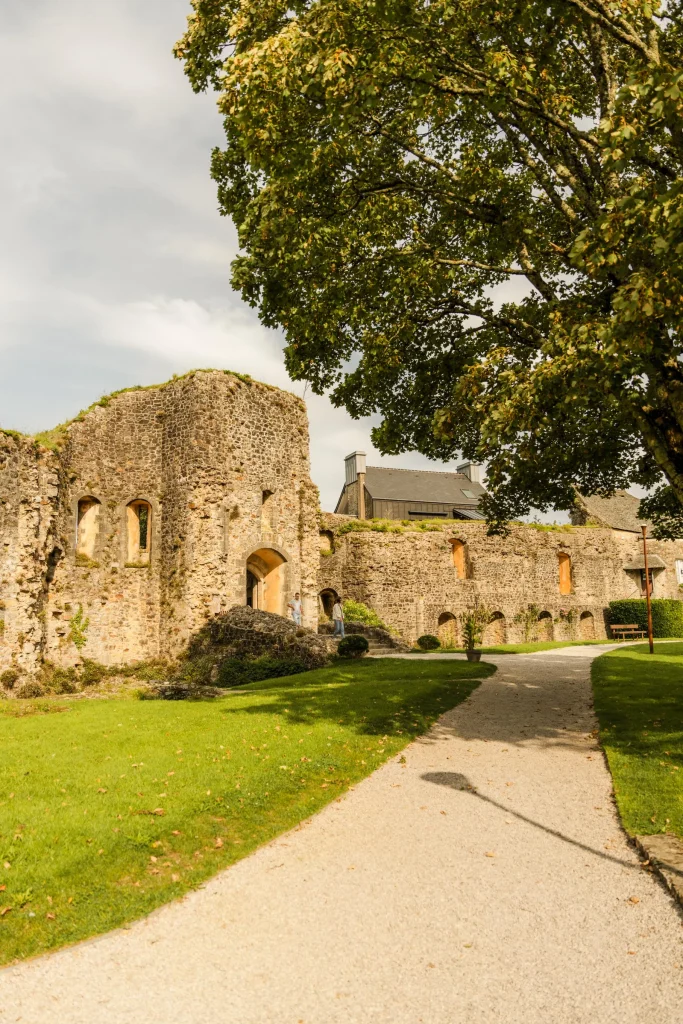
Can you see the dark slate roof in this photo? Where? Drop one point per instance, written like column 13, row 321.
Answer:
column 619, row 511
column 421, row 485
column 653, row 562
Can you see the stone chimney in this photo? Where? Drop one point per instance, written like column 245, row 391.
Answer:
column 355, row 474
column 473, row 471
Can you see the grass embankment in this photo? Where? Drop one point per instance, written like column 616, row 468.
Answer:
column 111, row 807
column 639, row 702
column 524, row 648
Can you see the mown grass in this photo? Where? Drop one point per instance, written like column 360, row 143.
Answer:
column 109, row 808
column 639, row 704
column 524, row 648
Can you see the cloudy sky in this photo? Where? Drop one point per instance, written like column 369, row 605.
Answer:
column 114, row 264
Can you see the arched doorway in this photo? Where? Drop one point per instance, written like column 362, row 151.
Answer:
column 327, row 599
column 587, row 626
column 266, row 581
column 448, row 630
column 495, row 630
column 544, row 628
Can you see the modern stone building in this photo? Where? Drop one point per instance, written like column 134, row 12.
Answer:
column 123, row 531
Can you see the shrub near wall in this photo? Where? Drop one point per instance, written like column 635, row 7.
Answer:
column 667, row 615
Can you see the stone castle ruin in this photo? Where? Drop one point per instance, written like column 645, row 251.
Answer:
column 123, row 532
column 127, row 529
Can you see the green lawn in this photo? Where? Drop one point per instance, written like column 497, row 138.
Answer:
column 639, row 704
column 109, row 808
column 525, row 648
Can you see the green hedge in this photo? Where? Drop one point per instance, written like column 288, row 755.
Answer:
column 667, row 615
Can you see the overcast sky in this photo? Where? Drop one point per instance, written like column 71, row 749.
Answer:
column 114, row 263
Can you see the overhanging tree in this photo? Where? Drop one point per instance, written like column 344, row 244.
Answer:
column 468, row 216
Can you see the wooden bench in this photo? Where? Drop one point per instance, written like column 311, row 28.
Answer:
column 630, row 631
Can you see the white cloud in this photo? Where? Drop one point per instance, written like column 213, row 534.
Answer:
column 111, row 243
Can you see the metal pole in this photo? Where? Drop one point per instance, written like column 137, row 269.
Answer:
column 647, row 592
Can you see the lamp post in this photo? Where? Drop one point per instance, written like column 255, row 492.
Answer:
column 647, row 592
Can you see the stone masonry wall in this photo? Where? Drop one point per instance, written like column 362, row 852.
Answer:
column 202, row 450
column 410, row 579
column 28, row 502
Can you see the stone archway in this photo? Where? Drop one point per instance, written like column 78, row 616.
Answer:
column 494, row 633
column 447, row 630
column 587, row 626
column 266, row 581
column 327, row 599
column 544, row 627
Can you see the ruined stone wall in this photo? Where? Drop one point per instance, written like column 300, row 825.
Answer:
column 410, row 579
column 203, row 451
column 28, row 502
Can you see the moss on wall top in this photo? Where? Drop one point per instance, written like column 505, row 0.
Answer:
column 55, row 438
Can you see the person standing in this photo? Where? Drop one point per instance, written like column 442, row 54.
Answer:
column 296, row 608
column 338, row 617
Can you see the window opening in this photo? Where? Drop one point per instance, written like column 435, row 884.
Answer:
column 87, row 528
column 458, row 553
column 143, row 517
column 139, row 520
column 468, row 494
column 565, row 568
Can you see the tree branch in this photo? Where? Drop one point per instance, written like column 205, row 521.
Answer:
column 628, row 35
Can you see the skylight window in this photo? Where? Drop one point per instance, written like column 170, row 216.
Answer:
column 468, row 494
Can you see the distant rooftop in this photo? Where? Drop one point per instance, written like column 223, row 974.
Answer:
column 422, row 485
column 619, row 511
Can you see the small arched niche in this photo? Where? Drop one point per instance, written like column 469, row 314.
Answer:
column 266, row 581
column 565, row 570
column 327, row 599
column 447, row 630
column 139, row 523
column 458, row 556
column 87, row 526
column 267, row 509
column 544, row 626
column 326, row 542
column 587, row 626
column 494, row 633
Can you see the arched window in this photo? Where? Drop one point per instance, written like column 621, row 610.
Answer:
column 139, row 519
column 544, row 628
column 458, row 552
column 587, row 626
column 87, row 528
column 565, row 567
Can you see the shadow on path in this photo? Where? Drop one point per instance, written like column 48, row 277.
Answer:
column 454, row 780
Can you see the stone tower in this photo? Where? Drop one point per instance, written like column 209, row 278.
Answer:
column 152, row 511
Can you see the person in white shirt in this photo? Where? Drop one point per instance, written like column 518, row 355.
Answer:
column 296, row 608
column 338, row 617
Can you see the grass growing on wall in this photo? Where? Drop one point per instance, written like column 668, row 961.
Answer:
column 638, row 701
column 109, row 808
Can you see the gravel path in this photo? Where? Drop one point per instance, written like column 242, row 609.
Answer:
column 484, row 880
